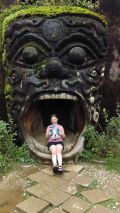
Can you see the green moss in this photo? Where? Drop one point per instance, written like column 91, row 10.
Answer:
column 4, row 56
column 8, row 88
column 8, row 91
column 48, row 11
column 6, row 13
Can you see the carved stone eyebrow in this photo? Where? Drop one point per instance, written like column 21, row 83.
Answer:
column 89, row 32
column 30, row 38
column 96, row 45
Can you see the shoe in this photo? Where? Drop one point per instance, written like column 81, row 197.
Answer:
column 60, row 169
column 55, row 169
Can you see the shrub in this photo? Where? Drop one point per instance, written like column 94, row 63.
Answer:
column 10, row 154
column 105, row 144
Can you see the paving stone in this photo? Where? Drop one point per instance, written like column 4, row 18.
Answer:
column 100, row 209
column 56, row 210
column 74, row 168
column 32, row 205
column 75, row 205
column 55, row 180
column 83, row 180
column 95, row 195
column 48, row 171
column 68, row 175
column 57, row 197
column 38, row 177
column 71, row 189
column 40, row 190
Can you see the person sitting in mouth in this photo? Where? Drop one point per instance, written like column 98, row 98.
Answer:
column 55, row 135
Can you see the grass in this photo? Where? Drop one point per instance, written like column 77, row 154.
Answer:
column 27, row 195
column 111, row 203
column 31, row 183
column 80, row 188
column 113, row 164
column 93, row 185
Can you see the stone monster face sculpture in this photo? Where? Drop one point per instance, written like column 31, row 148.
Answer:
column 56, row 65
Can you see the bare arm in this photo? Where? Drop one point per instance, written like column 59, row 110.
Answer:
column 62, row 132
column 47, row 135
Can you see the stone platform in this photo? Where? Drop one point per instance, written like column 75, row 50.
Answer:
column 72, row 192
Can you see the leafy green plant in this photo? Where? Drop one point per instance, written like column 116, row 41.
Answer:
column 23, row 155
column 7, row 138
column 105, row 144
column 10, row 154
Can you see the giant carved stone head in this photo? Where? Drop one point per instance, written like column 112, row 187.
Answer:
column 54, row 63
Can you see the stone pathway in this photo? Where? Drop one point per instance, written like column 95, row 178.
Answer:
column 72, row 192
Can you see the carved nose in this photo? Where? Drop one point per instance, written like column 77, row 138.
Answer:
column 54, row 66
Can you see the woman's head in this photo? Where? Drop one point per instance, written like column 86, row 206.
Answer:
column 54, row 119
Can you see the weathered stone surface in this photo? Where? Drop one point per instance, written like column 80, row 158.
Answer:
column 68, row 175
column 56, row 210
column 57, row 197
column 40, row 190
column 71, row 189
column 64, row 187
column 55, row 180
column 100, row 209
column 32, row 205
column 95, row 195
column 74, row 168
column 48, row 171
column 83, row 180
column 38, row 177
column 68, row 187
column 75, row 205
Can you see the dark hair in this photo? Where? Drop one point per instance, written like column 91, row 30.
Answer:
column 54, row 115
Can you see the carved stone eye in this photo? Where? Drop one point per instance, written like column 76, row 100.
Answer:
column 30, row 55
column 77, row 55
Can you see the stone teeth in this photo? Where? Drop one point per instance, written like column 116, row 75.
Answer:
column 58, row 96
column 74, row 98
column 53, row 96
column 63, row 96
column 68, row 97
column 47, row 96
column 41, row 97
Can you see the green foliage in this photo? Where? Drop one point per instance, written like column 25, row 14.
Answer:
column 10, row 154
column 105, row 144
column 6, row 139
column 110, row 203
column 23, row 154
column 113, row 163
column 80, row 3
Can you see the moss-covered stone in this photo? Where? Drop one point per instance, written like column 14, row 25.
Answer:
column 19, row 11
column 13, row 13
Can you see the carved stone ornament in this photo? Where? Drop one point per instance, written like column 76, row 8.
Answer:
column 57, row 66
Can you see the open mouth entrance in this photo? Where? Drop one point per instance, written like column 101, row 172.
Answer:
column 70, row 115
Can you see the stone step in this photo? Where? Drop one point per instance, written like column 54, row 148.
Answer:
column 32, row 205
